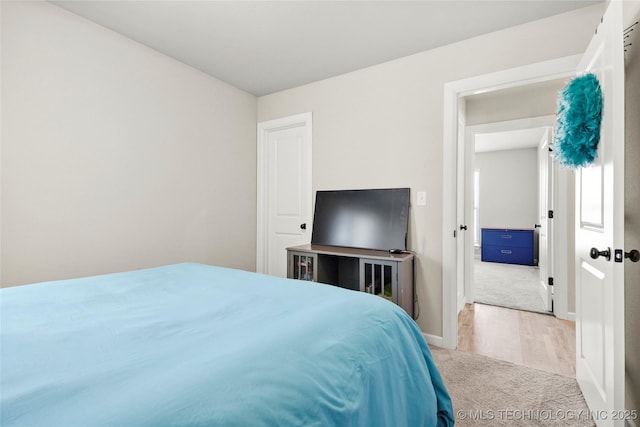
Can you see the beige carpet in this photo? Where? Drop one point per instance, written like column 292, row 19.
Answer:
column 489, row 392
column 508, row 285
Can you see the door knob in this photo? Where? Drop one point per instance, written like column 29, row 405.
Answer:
column 537, row 225
column 595, row 253
column 303, row 226
column 633, row 255
column 463, row 227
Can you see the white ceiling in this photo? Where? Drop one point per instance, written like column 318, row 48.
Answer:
column 267, row 46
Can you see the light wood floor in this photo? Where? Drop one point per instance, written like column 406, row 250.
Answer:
column 531, row 339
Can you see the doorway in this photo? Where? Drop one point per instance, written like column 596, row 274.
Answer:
column 455, row 268
column 284, row 190
column 510, row 194
column 505, row 316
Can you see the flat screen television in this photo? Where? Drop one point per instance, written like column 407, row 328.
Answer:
column 365, row 219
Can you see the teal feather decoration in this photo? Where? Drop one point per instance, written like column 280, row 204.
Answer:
column 578, row 122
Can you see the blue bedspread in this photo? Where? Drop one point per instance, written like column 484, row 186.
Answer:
column 195, row 345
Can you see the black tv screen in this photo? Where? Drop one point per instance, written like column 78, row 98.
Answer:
column 365, row 219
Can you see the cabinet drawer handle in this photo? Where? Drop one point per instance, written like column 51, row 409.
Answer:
column 506, row 236
column 505, row 251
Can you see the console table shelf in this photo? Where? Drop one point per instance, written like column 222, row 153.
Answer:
column 376, row 272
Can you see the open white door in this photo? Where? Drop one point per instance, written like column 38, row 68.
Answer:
column 284, row 190
column 463, row 232
column 545, row 225
column 599, row 227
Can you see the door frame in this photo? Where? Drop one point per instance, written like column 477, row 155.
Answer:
column 546, row 192
column 453, row 92
column 263, row 130
column 560, row 204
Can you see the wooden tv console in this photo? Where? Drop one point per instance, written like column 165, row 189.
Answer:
column 377, row 272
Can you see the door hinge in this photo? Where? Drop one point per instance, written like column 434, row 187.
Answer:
column 455, row 232
column 550, row 281
column 550, row 216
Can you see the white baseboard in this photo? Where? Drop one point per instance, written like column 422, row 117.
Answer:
column 571, row 316
column 433, row 339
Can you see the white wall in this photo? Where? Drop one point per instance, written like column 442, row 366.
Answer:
column 521, row 102
column 508, row 188
column 116, row 157
column 383, row 126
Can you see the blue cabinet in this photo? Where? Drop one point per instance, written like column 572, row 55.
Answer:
column 508, row 246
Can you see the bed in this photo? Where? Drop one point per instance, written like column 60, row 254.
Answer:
column 197, row 345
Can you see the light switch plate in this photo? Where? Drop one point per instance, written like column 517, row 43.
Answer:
column 421, row 198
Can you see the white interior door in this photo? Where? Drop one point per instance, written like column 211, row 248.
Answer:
column 600, row 225
column 544, row 225
column 464, row 231
column 284, row 190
